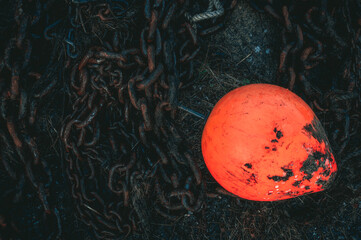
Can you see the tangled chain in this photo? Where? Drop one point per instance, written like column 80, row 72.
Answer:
column 21, row 89
column 119, row 136
column 117, row 68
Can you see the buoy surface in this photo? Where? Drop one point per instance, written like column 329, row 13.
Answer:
column 262, row 142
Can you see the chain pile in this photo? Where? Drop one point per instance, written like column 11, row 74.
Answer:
column 25, row 71
column 104, row 77
column 119, row 136
column 120, row 140
column 323, row 36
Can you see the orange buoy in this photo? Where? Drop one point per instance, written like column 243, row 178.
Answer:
column 262, row 142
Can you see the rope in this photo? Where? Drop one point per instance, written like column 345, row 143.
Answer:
column 210, row 13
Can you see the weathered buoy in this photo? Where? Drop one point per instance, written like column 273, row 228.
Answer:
column 262, row 142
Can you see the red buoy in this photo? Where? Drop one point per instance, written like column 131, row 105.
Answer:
column 262, row 142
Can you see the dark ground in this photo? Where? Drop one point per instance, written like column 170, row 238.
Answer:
column 247, row 51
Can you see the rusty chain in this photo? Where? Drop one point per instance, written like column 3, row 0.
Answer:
column 19, row 89
column 117, row 67
column 121, row 128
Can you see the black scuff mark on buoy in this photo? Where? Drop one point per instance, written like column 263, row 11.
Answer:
column 321, row 182
column 289, row 173
column 326, row 172
column 279, row 134
column 317, row 159
column 316, row 130
column 314, row 161
column 230, row 173
column 252, row 179
column 248, row 165
column 274, row 141
column 326, row 184
column 290, row 193
column 245, row 170
column 297, row 183
column 309, row 166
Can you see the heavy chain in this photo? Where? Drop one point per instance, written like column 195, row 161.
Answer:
column 121, row 131
column 117, row 68
column 19, row 152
